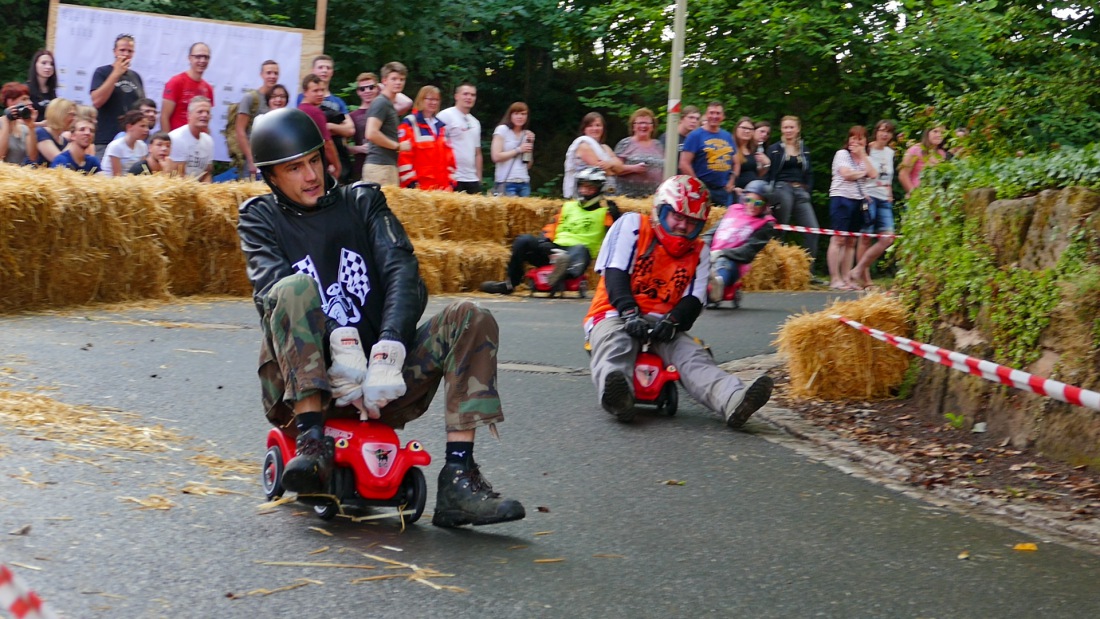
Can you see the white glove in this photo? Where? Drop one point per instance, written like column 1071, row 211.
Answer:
column 385, row 382
column 349, row 365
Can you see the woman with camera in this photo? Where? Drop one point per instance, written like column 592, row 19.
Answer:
column 18, row 140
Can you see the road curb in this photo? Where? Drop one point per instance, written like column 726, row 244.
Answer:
column 890, row 468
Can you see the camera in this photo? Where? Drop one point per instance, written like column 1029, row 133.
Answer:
column 20, row 112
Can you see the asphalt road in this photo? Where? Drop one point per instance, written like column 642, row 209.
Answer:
column 755, row 530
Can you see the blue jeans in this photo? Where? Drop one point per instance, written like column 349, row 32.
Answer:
column 883, row 213
column 519, row 190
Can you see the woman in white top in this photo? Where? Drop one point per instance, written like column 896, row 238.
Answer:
column 881, row 192
column 589, row 150
column 121, row 154
column 511, row 151
column 851, row 167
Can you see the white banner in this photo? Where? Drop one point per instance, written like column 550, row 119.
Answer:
column 85, row 40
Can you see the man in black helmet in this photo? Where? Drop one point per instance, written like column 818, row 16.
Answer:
column 334, row 275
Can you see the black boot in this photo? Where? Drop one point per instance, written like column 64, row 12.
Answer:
column 308, row 471
column 465, row 497
column 504, row 287
column 617, row 398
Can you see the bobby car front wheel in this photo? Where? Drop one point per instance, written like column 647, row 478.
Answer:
column 327, row 510
column 671, row 397
column 414, row 490
column 272, row 474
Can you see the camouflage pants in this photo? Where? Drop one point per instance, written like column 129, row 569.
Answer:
column 457, row 346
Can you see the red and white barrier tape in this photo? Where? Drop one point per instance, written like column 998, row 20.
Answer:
column 833, row 232
column 20, row 601
column 986, row 369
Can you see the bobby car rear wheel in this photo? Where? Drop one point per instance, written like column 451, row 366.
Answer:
column 272, row 474
column 414, row 490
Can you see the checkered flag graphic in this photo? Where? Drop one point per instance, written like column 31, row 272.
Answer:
column 353, row 274
column 305, row 265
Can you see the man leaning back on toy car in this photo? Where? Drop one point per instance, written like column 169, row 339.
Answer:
column 333, row 276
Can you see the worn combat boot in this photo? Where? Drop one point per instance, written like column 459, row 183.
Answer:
column 747, row 401
column 465, row 497
column 617, row 398
column 308, row 471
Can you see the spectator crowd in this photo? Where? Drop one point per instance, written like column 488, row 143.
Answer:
column 392, row 139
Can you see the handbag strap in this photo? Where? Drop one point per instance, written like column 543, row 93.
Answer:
column 859, row 183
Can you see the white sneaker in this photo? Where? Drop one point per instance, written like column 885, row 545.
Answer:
column 717, row 288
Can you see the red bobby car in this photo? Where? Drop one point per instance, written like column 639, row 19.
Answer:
column 655, row 382
column 537, row 280
column 371, row 469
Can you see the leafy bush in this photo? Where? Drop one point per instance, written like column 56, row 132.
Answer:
column 948, row 271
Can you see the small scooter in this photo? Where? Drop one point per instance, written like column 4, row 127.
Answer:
column 371, row 469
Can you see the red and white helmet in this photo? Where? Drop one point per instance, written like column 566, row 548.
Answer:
column 680, row 200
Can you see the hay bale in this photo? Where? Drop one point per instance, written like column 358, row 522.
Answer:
column 779, row 267
column 418, row 211
column 827, row 359
column 450, row 267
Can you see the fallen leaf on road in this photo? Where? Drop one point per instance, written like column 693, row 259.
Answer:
column 23, row 530
column 545, row 510
column 321, row 531
column 544, row 532
column 964, row 554
column 549, row 560
column 1028, row 546
column 318, row 551
column 672, row 482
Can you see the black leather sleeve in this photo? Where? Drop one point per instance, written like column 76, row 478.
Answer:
column 406, row 295
column 617, row 282
column 686, row 311
column 265, row 260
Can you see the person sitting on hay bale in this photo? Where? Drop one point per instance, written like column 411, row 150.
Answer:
column 741, row 234
column 653, row 283
column 333, row 275
column 569, row 241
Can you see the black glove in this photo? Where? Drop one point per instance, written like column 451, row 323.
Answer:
column 665, row 330
column 636, row 326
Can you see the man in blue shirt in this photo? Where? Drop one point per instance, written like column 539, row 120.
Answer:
column 708, row 155
column 73, row 156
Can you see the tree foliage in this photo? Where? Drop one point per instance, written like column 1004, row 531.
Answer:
column 1020, row 73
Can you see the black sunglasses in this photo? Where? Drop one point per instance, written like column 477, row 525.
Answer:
column 368, row 87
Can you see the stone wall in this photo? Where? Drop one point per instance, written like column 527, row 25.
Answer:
column 1029, row 233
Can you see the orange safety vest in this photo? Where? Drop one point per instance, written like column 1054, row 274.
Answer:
column 429, row 162
column 657, row 281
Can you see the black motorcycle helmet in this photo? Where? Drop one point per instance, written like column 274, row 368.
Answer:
column 282, row 135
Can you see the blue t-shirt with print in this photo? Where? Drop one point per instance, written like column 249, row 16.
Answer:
column 713, row 155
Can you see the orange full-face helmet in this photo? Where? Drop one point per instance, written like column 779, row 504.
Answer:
column 680, row 209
